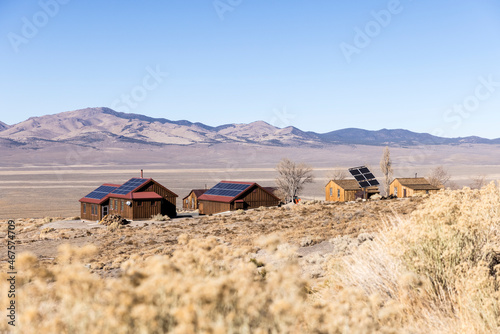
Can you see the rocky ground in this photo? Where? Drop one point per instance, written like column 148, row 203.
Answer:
column 314, row 229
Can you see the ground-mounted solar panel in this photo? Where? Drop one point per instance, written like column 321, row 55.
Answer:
column 359, row 177
column 364, row 184
column 364, row 170
column 364, row 177
column 354, row 171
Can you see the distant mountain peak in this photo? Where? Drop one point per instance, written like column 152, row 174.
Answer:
column 3, row 126
column 104, row 127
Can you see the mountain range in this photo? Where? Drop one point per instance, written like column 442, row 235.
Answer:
column 99, row 127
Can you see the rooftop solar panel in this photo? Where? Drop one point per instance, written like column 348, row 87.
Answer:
column 227, row 189
column 129, row 186
column 100, row 192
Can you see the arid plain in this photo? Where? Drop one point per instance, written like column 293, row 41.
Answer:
column 49, row 182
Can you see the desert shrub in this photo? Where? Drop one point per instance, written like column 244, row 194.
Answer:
column 438, row 267
column 160, row 217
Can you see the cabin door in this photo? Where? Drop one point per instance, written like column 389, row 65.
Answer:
column 104, row 210
column 404, row 192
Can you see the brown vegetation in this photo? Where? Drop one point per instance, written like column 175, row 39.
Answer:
column 387, row 268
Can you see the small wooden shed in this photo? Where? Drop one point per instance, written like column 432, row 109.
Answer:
column 347, row 190
column 234, row 195
column 190, row 202
column 138, row 198
column 408, row 187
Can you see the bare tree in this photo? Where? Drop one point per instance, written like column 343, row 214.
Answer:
column 292, row 177
column 452, row 185
column 478, row 182
column 386, row 167
column 337, row 174
column 439, row 176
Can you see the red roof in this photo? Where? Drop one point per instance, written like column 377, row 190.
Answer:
column 146, row 195
column 130, row 195
column 197, row 192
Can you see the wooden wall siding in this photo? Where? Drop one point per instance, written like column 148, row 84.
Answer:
column 257, row 198
column 254, row 199
column 168, row 205
column 400, row 190
column 210, row 207
column 88, row 211
column 345, row 195
column 192, row 203
column 144, row 209
column 409, row 192
column 126, row 212
column 335, row 187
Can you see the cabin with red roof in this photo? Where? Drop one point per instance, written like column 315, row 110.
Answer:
column 138, row 198
column 190, row 202
column 234, row 195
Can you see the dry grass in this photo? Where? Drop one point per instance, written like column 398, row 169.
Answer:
column 431, row 270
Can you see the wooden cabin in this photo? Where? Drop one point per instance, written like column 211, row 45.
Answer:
column 138, row 198
column 233, row 195
column 347, row 190
column 408, row 187
column 190, row 202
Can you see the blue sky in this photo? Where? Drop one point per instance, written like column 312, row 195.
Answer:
column 426, row 66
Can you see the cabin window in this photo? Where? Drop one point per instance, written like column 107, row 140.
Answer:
column 84, row 208
column 331, row 192
column 153, row 203
column 338, row 193
column 92, row 209
column 187, row 201
column 116, row 204
column 139, row 203
column 396, row 191
column 123, row 204
column 427, row 192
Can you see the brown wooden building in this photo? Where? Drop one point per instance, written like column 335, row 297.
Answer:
column 347, row 190
column 233, row 195
column 408, row 187
column 137, row 198
column 190, row 202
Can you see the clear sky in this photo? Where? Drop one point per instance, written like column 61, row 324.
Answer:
column 421, row 65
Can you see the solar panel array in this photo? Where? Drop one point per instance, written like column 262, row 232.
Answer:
column 128, row 186
column 101, row 192
column 364, row 177
column 227, row 189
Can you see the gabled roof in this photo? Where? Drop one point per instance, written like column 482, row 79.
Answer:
column 124, row 191
column 100, row 194
column 197, row 192
column 416, row 183
column 270, row 190
column 226, row 191
column 350, row 184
